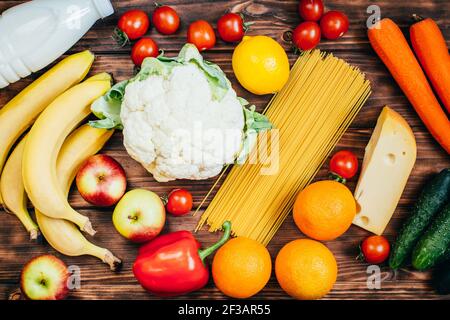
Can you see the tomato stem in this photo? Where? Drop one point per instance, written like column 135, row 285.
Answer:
column 120, row 37
column 417, row 18
column 334, row 176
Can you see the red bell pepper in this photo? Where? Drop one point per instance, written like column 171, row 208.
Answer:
column 173, row 264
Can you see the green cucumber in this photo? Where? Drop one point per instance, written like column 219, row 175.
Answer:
column 431, row 200
column 433, row 245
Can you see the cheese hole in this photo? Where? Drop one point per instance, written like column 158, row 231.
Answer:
column 389, row 159
column 364, row 220
column 404, row 153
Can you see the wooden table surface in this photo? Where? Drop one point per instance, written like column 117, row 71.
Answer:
column 272, row 18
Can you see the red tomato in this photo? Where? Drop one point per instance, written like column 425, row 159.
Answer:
column 334, row 24
column 142, row 49
column 201, row 34
column 166, row 20
column 231, row 27
column 306, row 36
column 345, row 164
column 179, row 202
column 375, row 249
column 310, row 10
column 134, row 24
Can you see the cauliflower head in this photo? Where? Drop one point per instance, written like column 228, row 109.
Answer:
column 181, row 118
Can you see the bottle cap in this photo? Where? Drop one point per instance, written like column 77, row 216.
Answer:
column 104, row 8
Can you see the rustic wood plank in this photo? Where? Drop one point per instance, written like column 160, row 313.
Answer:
column 272, row 18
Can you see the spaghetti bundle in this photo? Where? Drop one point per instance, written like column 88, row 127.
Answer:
column 311, row 113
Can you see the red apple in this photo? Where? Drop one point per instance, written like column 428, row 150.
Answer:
column 139, row 216
column 101, row 181
column 45, row 278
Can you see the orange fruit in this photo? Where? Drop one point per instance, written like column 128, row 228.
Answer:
column 324, row 210
column 306, row 269
column 241, row 268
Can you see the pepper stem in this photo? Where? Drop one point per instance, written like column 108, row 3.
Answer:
column 226, row 235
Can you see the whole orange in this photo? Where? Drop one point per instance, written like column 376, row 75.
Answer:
column 241, row 268
column 306, row 269
column 324, row 210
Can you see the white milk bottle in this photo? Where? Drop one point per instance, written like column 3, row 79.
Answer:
column 36, row 33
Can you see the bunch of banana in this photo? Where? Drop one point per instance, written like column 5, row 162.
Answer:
column 14, row 196
column 61, row 234
column 44, row 163
column 43, row 145
column 19, row 114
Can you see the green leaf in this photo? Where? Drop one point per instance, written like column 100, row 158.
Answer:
column 254, row 123
column 107, row 108
column 217, row 79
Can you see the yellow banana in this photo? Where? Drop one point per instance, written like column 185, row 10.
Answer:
column 61, row 234
column 19, row 113
column 11, row 187
column 44, row 142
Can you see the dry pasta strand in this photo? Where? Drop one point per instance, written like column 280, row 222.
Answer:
column 321, row 99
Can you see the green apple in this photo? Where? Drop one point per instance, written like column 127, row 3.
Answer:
column 139, row 216
column 45, row 278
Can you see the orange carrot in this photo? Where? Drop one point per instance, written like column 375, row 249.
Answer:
column 431, row 50
column 391, row 46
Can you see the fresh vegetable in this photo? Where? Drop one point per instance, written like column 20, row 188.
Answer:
column 431, row 200
column 132, row 25
column 344, row 165
column 142, row 49
column 139, row 216
column 21, row 112
column 45, row 278
column 334, row 24
column 101, row 181
column 433, row 245
column 375, row 249
column 260, row 65
column 62, row 235
column 168, row 105
column 306, row 36
column 324, row 210
column 306, row 269
column 231, row 27
column 441, row 278
column 388, row 161
column 14, row 196
column 431, row 51
column 44, row 142
column 165, row 19
column 173, row 264
column 310, row 10
column 241, row 268
column 179, row 202
column 201, row 34
column 391, row 46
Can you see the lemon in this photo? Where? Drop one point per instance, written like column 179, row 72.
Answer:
column 261, row 65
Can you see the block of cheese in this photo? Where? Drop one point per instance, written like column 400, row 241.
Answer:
column 388, row 161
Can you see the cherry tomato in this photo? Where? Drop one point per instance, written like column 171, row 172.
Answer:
column 375, row 249
column 201, row 34
column 133, row 24
column 345, row 164
column 231, row 27
column 142, row 49
column 310, row 10
column 334, row 24
column 306, row 36
column 166, row 20
column 179, row 202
